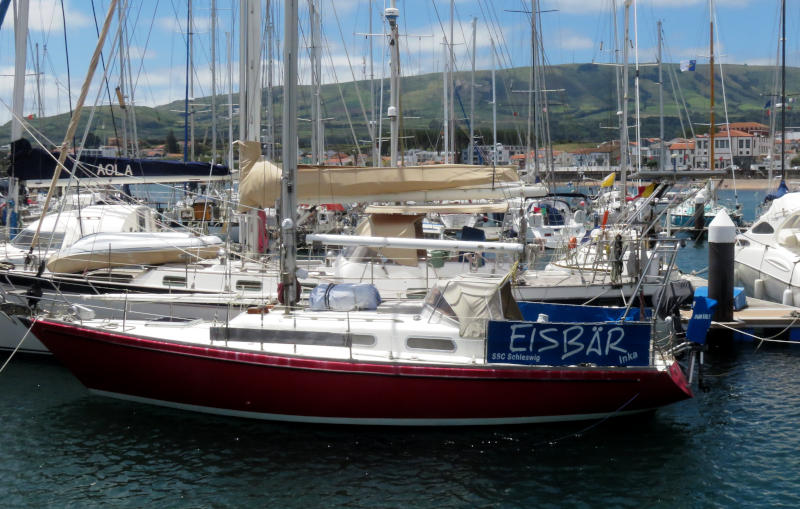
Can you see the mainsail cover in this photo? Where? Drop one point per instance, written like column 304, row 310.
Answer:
column 36, row 166
column 259, row 183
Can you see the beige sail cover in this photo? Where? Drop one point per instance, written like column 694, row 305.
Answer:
column 260, row 180
column 395, row 225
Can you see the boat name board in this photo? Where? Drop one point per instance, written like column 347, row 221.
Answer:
column 112, row 170
column 565, row 344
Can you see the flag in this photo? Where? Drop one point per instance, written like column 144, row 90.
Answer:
column 688, row 65
column 769, row 103
column 646, row 191
column 609, row 180
column 31, row 116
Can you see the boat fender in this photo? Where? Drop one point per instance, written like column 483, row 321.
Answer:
column 573, row 243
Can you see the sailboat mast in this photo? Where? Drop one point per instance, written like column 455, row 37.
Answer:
column 451, row 86
column 537, row 99
column 445, row 99
column 190, row 35
column 391, row 14
column 531, row 90
column 213, row 81
column 317, row 137
column 623, row 134
column 186, row 92
column 661, row 152
column 289, row 149
column 121, row 88
column 17, row 104
column 711, row 80
column 249, row 70
column 494, row 109
column 783, row 89
column 375, row 152
column 471, row 159
column 270, row 80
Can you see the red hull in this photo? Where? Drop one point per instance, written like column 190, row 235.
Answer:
column 226, row 381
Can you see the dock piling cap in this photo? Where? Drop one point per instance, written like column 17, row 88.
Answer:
column 722, row 230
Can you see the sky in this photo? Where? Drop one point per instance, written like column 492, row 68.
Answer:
column 571, row 30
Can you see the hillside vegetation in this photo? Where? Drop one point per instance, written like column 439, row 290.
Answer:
column 584, row 104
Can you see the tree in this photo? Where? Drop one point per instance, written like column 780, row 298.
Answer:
column 172, row 143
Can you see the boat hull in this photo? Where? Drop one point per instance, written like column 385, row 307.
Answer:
column 223, row 380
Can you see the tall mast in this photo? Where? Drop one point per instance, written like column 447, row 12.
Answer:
column 391, row 14
column 535, row 85
column 711, row 80
column 249, row 70
column 531, row 90
column 190, row 35
column 186, row 92
column 375, row 152
column 270, row 78
column 289, row 148
column 783, row 89
column 317, row 137
column 213, row 81
column 494, row 109
column 121, row 87
column 229, row 51
column 445, row 100
column 451, row 86
column 662, row 163
column 623, row 134
column 17, row 105
column 472, row 97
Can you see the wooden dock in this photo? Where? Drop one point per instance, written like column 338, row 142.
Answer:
column 759, row 314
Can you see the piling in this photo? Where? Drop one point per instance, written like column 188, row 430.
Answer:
column 721, row 242
column 699, row 215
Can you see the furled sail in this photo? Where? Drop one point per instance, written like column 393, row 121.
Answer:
column 259, row 183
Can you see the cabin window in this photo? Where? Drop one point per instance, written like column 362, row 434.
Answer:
column 175, row 281
column 763, row 228
column 46, row 240
column 248, row 286
column 362, row 340
column 438, row 344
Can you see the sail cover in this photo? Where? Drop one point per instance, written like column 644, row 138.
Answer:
column 259, row 184
column 36, row 166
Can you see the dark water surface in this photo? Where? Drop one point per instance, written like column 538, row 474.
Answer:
column 736, row 445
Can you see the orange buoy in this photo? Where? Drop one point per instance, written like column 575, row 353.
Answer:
column 573, row 243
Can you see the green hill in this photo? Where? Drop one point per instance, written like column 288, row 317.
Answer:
column 576, row 114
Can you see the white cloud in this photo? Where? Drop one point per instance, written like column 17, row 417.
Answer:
column 593, row 6
column 45, row 16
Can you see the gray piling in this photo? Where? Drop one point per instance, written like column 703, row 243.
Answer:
column 721, row 241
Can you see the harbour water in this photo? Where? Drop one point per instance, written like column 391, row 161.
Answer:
column 732, row 446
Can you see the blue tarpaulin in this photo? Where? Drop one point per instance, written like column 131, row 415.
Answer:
column 702, row 313
column 782, row 189
column 570, row 313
